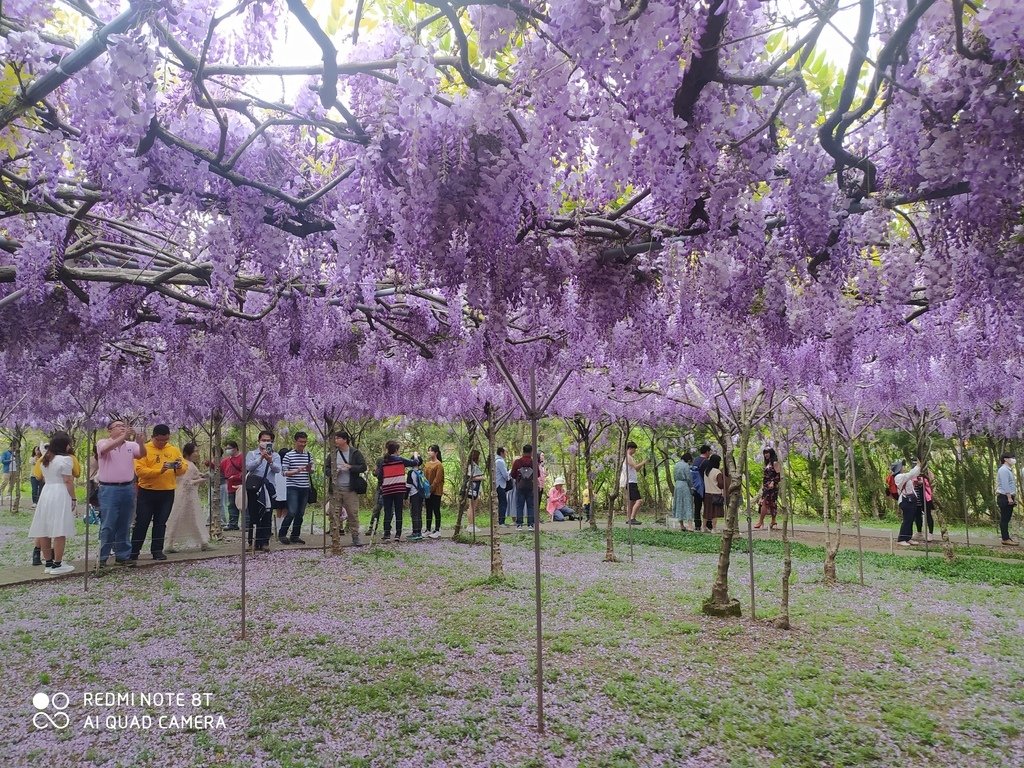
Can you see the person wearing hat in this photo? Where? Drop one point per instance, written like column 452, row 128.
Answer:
column 557, row 506
column 908, row 501
column 1006, row 498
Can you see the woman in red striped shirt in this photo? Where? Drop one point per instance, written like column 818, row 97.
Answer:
column 391, row 476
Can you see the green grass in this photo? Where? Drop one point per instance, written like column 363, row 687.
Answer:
column 970, row 569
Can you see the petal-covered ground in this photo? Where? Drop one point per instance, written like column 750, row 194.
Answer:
column 411, row 656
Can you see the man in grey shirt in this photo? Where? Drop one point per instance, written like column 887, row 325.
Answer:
column 1006, row 490
column 348, row 465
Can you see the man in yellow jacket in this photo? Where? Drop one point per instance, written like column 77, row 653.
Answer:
column 158, row 471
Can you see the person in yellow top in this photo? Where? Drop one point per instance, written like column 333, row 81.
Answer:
column 158, row 471
column 37, row 473
column 37, row 468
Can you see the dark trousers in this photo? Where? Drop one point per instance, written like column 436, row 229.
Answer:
column 416, row 513
column 393, row 509
column 1005, row 513
column 151, row 507
column 37, row 486
column 698, row 511
column 434, row 513
column 909, row 508
column 502, row 505
column 298, row 498
column 919, row 519
column 232, row 511
column 258, row 515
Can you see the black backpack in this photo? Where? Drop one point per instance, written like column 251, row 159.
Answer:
column 524, row 480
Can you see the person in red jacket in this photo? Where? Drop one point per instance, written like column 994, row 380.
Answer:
column 523, row 477
column 231, row 471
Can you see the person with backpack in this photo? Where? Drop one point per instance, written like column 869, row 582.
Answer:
column 418, row 489
column 433, row 470
column 523, row 477
column 391, row 481
column 906, row 496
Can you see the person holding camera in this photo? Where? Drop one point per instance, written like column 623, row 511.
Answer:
column 116, row 455
column 263, row 466
column 297, row 468
column 158, row 470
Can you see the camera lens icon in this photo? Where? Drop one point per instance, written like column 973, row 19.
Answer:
column 44, row 702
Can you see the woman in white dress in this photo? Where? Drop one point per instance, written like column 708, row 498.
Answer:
column 54, row 518
column 186, row 526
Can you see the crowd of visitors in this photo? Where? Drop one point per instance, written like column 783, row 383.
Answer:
column 148, row 489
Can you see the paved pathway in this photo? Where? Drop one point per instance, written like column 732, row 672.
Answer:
column 873, row 539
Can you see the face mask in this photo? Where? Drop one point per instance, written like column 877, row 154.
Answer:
column 1012, row 461
column 264, row 444
column 229, row 452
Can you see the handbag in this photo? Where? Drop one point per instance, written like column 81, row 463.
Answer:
column 254, row 482
column 313, row 496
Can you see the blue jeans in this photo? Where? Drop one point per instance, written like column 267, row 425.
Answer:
column 297, row 500
column 118, row 504
column 524, row 499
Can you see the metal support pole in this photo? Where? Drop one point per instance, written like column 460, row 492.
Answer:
column 536, row 551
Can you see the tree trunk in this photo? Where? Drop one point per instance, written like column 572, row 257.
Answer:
column 463, row 500
column 17, row 438
column 787, row 557
column 497, row 566
column 856, row 510
column 216, row 452
column 609, row 539
column 832, row 550
column 720, row 604
column 588, row 468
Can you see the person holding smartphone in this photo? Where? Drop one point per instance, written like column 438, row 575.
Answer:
column 297, row 467
column 266, row 465
column 158, row 470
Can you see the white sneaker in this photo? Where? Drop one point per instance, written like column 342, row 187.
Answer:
column 929, row 537
column 904, row 543
column 529, row 527
column 61, row 569
column 435, row 535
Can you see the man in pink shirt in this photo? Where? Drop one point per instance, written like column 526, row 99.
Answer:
column 116, row 478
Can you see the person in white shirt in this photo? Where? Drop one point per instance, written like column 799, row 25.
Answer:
column 502, row 483
column 908, row 501
column 1006, row 498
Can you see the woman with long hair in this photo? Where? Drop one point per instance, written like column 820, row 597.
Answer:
column 54, row 518
column 186, row 526
column 473, row 481
column 36, row 483
column 770, row 487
